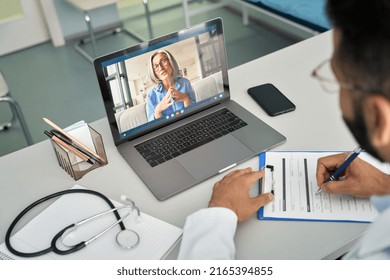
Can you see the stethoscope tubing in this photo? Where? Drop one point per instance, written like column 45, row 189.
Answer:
column 74, row 226
column 53, row 247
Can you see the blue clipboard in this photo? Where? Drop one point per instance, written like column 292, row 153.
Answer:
column 260, row 212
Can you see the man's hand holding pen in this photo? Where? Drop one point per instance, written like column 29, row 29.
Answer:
column 360, row 179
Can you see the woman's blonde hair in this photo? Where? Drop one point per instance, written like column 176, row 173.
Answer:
column 171, row 60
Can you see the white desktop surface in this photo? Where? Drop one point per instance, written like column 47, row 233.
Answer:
column 316, row 124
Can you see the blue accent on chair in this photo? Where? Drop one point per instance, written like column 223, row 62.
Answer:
column 310, row 13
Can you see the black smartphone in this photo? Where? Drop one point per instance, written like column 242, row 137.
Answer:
column 271, row 99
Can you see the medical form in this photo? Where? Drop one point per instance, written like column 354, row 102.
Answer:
column 295, row 191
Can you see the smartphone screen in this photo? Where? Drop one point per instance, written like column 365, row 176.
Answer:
column 271, row 99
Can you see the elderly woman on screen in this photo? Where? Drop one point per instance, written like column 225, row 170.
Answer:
column 172, row 92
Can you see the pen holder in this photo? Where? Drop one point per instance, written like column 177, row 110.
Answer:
column 70, row 163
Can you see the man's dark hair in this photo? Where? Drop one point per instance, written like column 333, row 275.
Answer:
column 364, row 50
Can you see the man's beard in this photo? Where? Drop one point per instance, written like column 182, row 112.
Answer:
column 359, row 131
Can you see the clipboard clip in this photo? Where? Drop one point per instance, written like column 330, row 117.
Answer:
column 271, row 168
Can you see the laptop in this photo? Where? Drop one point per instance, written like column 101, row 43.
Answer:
column 174, row 142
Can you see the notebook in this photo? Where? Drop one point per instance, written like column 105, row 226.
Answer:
column 170, row 113
column 157, row 237
column 292, row 177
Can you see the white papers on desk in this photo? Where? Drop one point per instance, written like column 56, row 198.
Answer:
column 295, row 188
column 156, row 236
column 80, row 131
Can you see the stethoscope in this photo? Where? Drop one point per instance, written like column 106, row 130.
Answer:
column 126, row 238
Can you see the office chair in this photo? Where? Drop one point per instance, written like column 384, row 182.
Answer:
column 88, row 5
column 16, row 112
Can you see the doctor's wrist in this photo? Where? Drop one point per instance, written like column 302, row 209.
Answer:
column 224, row 209
column 221, row 204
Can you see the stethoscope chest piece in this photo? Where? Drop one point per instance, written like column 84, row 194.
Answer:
column 127, row 238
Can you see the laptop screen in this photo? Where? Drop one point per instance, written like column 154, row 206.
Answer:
column 161, row 81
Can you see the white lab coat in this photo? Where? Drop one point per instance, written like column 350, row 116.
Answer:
column 209, row 234
column 375, row 243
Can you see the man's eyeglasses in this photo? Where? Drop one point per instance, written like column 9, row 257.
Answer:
column 162, row 62
column 325, row 75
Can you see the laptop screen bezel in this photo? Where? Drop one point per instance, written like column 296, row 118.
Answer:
column 101, row 62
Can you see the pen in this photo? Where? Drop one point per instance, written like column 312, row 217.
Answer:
column 71, row 143
column 342, row 167
column 53, row 125
column 70, row 148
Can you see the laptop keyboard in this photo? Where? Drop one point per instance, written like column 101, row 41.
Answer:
column 188, row 137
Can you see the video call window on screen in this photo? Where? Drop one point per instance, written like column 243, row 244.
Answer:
column 136, row 93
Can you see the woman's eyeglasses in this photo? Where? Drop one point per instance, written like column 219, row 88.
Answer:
column 162, row 62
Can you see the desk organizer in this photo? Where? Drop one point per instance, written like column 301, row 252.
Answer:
column 68, row 160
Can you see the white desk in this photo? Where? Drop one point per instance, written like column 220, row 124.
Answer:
column 33, row 172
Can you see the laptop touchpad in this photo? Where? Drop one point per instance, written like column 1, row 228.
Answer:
column 208, row 159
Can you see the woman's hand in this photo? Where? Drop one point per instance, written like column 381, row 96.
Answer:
column 179, row 96
column 173, row 96
column 164, row 104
